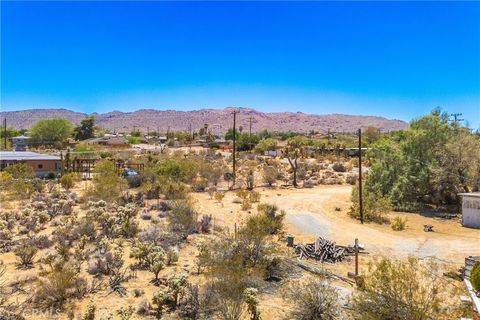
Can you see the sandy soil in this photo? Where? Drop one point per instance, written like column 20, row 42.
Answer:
column 311, row 213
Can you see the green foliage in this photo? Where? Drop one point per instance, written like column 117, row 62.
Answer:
column 179, row 170
column 53, row 131
column 399, row 290
column 399, row 224
column 10, row 133
column 183, row 218
column 133, row 140
column 427, row 164
column 86, row 129
column 267, row 144
column 20, row 180
column 68, row 180
column 475, row 277
column 251, row 298
column 59, row 284
column 107, row 184
column 375, row 206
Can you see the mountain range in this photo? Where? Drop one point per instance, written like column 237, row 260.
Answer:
column 218, row 120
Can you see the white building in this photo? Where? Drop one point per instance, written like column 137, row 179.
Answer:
column 471, row 209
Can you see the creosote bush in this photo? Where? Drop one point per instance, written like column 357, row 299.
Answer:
column 400, row 289
column 399, row 224
column 313, row 299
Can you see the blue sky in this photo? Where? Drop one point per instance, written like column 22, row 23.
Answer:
column 393, row 59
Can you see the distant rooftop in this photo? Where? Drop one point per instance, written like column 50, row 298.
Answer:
column 25, row 155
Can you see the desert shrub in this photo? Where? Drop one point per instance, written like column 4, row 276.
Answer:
column 182, row 218
column 105, row 262
column 157, row 261
column 60, row 284
column 162, row 299
column 107, row 184
column 375, row 206
column 351, row 179
column 180, row 170
column 21, row 184
column 125, row 313
column 399, row 289
column 25, row 254
column 475, row 277
column 246, row 205
column 270, row 174
column 50, row 175
column 219, row 196
column 41, row 242
column 68, row 180
column 274, row 222
column 339, row 167
column 251, row 299
column 199, row 184
column 170, row 293
column 254, row 196
column 173, row 190
column 172, row 257
column 399, row 224
column 90, row 312
column 313, row 300
column 206, row 223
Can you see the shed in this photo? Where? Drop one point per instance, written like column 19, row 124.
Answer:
column 470, row 209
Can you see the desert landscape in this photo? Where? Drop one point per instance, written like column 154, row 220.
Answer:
column 240, row 160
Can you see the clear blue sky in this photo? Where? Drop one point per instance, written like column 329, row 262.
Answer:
column 394, row 59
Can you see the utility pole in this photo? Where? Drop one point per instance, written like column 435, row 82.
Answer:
column 456, row 117
column 5, row 132
column 360, row 202
column 250, row 129
column 234, row 149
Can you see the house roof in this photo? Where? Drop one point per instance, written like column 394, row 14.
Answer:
column 25, row 155
column 472, row 194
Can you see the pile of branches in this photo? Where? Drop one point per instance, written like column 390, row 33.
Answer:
column 323, row 250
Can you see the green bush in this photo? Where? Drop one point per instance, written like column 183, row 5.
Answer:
column 399, row 224
column 475, row 277
column 375, row 206
column 68, row 180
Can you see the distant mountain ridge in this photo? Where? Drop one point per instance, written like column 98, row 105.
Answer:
column 218, row 120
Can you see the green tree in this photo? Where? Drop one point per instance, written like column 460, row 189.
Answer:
column 267, row 144
column 53, row 131
column 86, row 129
column 427, row 164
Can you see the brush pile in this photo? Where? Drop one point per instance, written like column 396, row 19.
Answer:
column 323, row 250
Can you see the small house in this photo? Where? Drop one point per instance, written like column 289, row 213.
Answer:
column 41, row 163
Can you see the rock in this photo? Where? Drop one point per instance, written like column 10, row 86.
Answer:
column 308, row 183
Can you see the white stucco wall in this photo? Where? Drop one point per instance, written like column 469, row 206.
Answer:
column 471, row 210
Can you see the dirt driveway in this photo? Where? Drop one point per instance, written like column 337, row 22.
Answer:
column 312, row 212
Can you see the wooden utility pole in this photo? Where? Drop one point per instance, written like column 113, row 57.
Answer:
column 360, row 200
column 234, row 149
column 250, row 128
column 5, row 132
